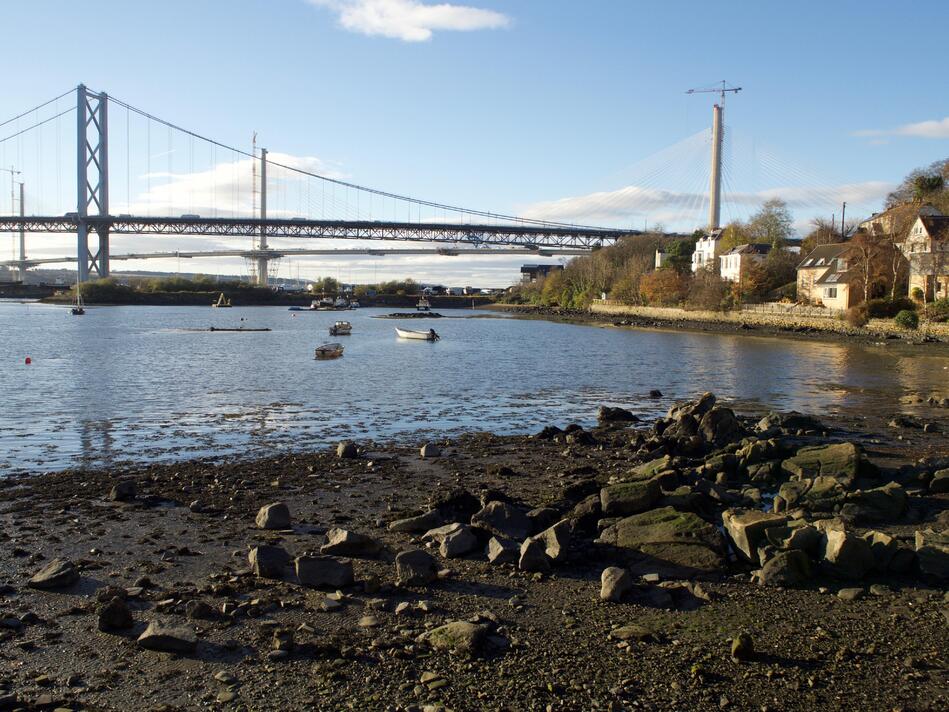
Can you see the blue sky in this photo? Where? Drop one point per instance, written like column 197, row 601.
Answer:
column 510, row 106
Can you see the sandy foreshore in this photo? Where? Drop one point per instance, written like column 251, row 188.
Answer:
column 713, row 599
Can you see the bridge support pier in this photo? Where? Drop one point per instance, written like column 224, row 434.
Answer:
column 92, row 182
column 263, row 263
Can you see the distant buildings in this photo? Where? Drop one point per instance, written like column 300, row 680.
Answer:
column 533, row 273
column 735, row 263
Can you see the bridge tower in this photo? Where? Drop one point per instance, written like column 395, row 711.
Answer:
column 92, row 181
column 263, row 262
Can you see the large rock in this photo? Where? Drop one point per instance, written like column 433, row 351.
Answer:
column 58, row 573
column 115, row 615
column 123, row 491
column 650, row 469
column 787, row 568
column 533, row 556
column 720, row 426
column 556, row 540
column 502, row 519
column 274, row 516
column 846, row 554
column 678, row 541
column 341, row 542
column 168, row 638
column 415, row 568
column 615, row 583
column 429, row 451
column 889, row 555
column 456, row 505
column 453, row 539
column 421, row 523
column 841, row 461
column 457, row 636
column 932, row 551
column 821, row 494
column 940, row 482
column 695, row 409
column 747, row 529
column 320, row 571
column 502, row 551
column 609, row 414
column 880, row 504
column 347, row 451
column 628, row 498
column 268, row 561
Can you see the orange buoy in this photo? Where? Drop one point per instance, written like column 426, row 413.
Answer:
column 28, row 360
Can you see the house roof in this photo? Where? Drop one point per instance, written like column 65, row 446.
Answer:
column 936, row 225
column 832, row 276
column 754, row 248
column 824, row 255
column 906, row 213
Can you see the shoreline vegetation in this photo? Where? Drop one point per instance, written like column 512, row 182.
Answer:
column 707, row 559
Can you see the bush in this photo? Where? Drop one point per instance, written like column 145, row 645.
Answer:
column 938, row 311
column 857, row 315
column 918, row 294
column 887, row 309
column 664, row 288
column 907, row 319
column 710, row 292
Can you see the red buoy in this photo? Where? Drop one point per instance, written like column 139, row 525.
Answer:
column 28, row 360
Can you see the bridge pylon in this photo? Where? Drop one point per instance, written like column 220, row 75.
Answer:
column 92, row 181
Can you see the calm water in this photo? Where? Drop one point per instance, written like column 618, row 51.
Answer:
column 132, row 383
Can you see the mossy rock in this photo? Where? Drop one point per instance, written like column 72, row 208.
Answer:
column 629, row 497
column 841, row 461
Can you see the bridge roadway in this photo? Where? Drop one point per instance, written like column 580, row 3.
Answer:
column 524, row 235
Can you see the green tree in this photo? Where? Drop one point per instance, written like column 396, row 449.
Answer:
column 772, row 224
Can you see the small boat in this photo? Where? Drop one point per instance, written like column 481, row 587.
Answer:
column 341, row 303
column 423, row 304
column 78, row 308
column 222, row 302
column 429, row 335
column 341, row 328
column 327, row 351
column 354, row 304
column 324, row 303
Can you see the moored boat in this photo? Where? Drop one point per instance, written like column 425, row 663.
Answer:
column 429, row 335
column 327, row 351
column 341, row 328
column 222, row 302
column 423, row 304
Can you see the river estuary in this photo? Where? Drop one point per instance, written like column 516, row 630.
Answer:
column 124, row 384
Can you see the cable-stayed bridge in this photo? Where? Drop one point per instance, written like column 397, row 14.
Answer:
column 225, row 202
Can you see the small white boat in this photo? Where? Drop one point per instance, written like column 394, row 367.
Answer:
column 327, row 351
column 341, row 303
column 222, row 302
column 341, row 328
column 354, row 304
column 423, row 304
column 429, row 335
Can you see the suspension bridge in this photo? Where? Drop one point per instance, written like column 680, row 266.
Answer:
column 450, row 229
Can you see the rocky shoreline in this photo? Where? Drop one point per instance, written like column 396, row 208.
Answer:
column 707, row 560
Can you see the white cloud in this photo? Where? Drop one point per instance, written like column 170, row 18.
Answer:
column 410, row 20
column 937, row 128
column 676, row 210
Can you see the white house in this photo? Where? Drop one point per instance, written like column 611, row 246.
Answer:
column 736, row 262
column 926, row 248
column 707, row 251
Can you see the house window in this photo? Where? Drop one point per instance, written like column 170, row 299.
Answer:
column 830, row 292
column 841, row 265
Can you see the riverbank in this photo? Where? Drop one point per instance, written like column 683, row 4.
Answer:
column 255, row 297
column 604, row 313
column 837, row 617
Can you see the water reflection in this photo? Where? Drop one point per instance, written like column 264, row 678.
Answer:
column 142, row 383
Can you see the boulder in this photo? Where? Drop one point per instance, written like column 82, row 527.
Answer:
column 608, row 414
column 720, row 426
column 168, row 638
column 115, row 615
column 502, row 551
column 453, row 539
column 627, row 498
column 320, row 571
column 430, row 451
column 341, row 542
column 542, row 518
column 502, row 519
column 274, row 516
column 880, row 504
column 940, row 482
column 650, row 469
column 821, row 494
column 743, row 647
column 841, row 461
column 587, row 511
column 457, row 636
column 422, row 523
column 792, row 421
column 415, row 568
column 786, row 568
column 681, row 542
column 123, row 491
column 932, row 551
column 268, row 561
column 615, row 583
column 347, row 451
column 556, row 540
column 747, row 529
column 455, row 506
column 846, row 554
column 633, row 631
column 58, row 573
column 696, row 408
column 533, row 556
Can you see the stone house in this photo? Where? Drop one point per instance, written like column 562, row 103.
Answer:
column 826, row 277
column 926, row 248
column 737, row 261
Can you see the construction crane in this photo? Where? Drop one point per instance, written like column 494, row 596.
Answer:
column 715, row 182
